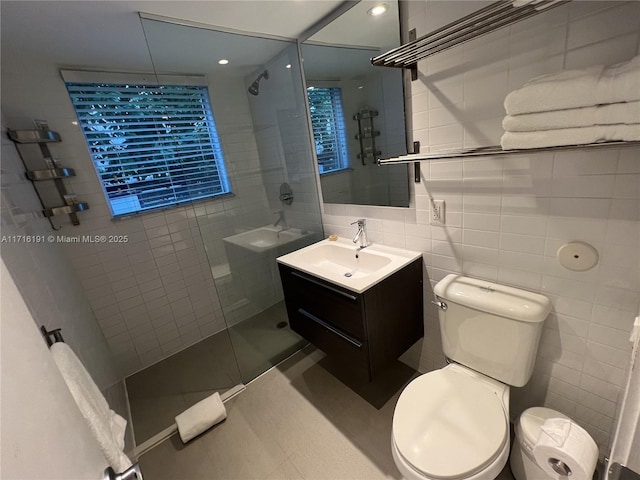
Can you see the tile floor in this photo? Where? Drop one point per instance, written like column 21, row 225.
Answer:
column 297, row 421
column 160, row 392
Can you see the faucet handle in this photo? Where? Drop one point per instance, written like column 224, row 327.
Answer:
column 361, row 222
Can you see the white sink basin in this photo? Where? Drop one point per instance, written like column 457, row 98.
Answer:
column 266, row 238
column 341, row 262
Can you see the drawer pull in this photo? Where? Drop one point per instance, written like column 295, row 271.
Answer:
column 332, row 329
column 334, row 290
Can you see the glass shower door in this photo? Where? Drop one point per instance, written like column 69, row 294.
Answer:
column 258, row 102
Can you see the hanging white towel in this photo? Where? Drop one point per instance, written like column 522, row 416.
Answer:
column 627, row 113
column 570, row 136
column 107, row 426
column 591, row 86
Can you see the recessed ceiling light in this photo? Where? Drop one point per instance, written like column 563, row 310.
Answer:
column 378, row 9
column 360, row 87
column 223, row 61
column 288, row 65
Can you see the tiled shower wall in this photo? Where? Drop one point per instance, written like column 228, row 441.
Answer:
column 153, row 294
column 283, row 139
column 507, row 216
column 43, row 273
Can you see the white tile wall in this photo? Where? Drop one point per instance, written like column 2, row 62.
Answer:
column 154, row 294
column 44, row 274
column 506, row 217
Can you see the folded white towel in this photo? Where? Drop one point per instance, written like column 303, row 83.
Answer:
column 106, row 426
column 626, row 113
column 591, row 86
column 570, row 136
column 202, row 416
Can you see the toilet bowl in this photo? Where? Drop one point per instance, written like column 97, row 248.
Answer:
column 453, row 423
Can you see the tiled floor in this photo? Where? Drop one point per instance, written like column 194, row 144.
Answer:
column 259, row 344
column 297, row 421
column 160, row 392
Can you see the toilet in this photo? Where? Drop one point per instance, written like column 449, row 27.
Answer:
column 453, row 423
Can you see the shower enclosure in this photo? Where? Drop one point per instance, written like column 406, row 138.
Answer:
column 257, row 97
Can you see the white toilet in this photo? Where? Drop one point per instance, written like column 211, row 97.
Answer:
column 453, row 423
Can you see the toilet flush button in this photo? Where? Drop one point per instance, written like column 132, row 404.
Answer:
column 577, row 256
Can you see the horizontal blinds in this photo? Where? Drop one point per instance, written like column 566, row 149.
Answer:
column 327, row 120
column 155, row 143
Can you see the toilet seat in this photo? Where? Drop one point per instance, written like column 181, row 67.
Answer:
column 450, row 424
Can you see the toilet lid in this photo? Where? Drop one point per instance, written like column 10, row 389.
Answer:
column 448, row 424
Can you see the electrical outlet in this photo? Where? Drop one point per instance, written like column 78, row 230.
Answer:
column 437, row 212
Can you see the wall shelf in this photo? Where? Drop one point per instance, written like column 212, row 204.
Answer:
column 366, row 135
column 34, row 136
column 50, row 174
column 42, row 137
column 65, row 209
column 481, row 22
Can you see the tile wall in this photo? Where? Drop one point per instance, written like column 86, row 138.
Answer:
column 42, row 271
column 507, row 216
column 155, row 293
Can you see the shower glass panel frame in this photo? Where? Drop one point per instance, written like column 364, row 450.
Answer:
column 258, row 101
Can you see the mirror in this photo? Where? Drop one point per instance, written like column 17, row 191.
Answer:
column 357, row 110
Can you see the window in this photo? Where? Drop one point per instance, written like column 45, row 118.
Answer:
column 327, row 120
column 152, row 145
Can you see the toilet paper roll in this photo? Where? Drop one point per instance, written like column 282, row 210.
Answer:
column 577, row 452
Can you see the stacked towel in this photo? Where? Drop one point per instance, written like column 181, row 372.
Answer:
column 572, row 107
column 107, row 427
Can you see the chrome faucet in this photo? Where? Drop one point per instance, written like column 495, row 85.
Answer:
column 281, row 220
column 361, row 233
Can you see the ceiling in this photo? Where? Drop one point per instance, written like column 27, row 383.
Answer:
column 95, row 34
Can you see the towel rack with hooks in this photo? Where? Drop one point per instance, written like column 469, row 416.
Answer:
column 481, row 22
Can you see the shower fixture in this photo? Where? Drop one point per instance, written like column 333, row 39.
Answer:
column 254, row 89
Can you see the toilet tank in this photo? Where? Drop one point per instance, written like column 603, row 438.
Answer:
column 491, row 328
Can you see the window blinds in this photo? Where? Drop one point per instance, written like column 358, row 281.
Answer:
column 152, row 145
column 327, row 120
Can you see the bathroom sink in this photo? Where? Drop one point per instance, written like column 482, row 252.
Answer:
column 266, row 238
column 342, row 263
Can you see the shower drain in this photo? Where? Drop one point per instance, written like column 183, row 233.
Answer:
column 347, row 274
column 281, row 324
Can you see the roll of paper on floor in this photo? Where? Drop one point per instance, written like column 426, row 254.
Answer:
column 201, row 417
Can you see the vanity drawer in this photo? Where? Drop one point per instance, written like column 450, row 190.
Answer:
column 338, row 307
column 337, row 344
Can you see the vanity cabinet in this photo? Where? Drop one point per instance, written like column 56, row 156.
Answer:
column 360, row 332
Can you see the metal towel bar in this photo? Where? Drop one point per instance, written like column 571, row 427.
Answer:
column 481, row 22
column 495, row 150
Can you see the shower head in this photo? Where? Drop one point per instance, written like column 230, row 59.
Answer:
column 254, row 89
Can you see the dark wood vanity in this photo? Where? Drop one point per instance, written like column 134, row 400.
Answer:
column 361, row 333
